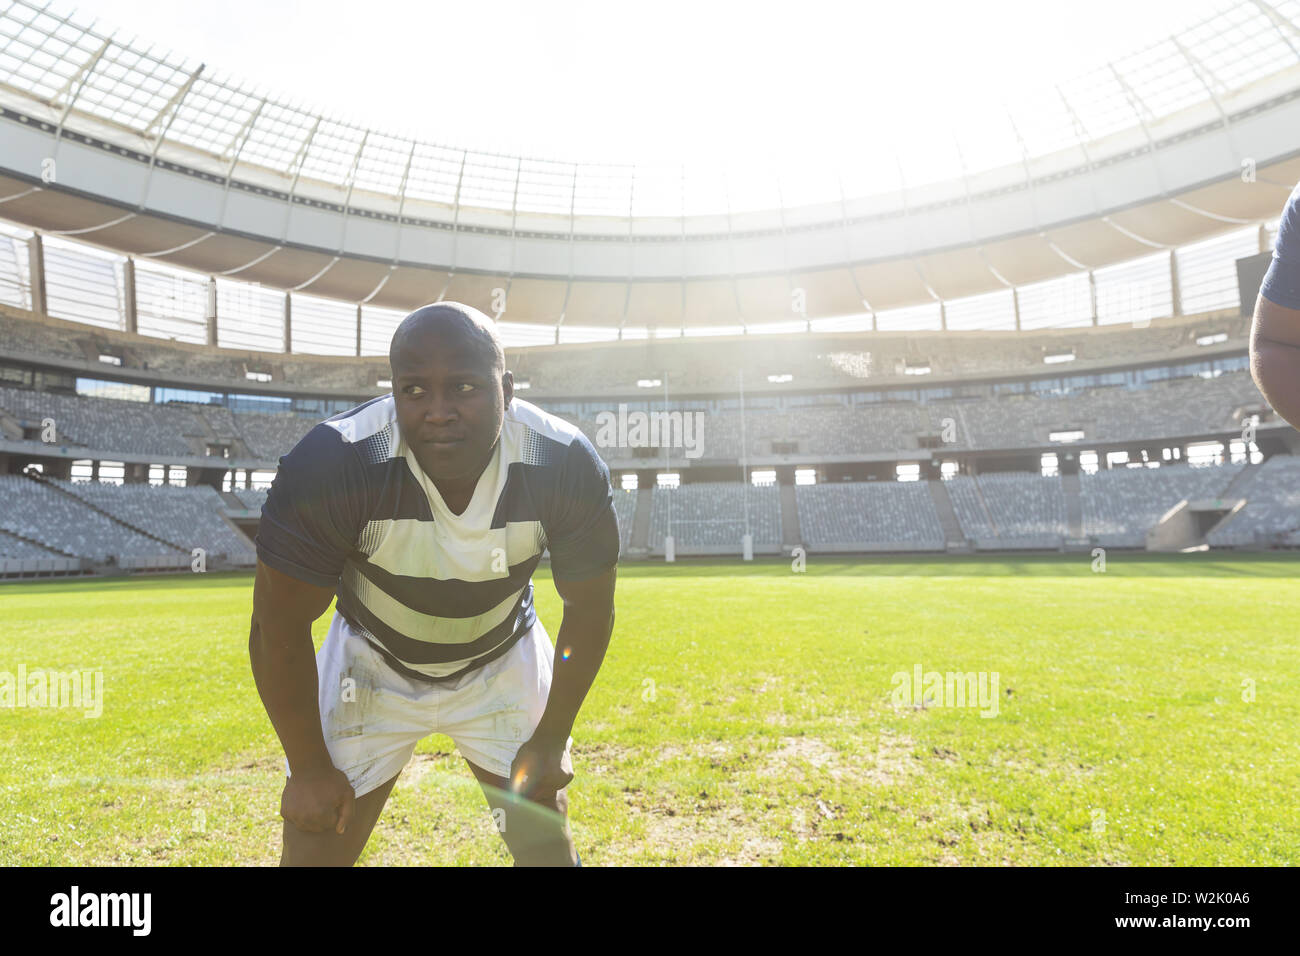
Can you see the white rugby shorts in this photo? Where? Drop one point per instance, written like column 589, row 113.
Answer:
column 372, row 716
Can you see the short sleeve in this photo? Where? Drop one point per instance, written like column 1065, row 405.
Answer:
column 315, row 509
column 582, row 534
column 1282, row 280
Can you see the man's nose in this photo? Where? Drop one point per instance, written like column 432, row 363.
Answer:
column 441, row 408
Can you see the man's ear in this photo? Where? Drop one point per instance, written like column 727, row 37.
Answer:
column 508, row 386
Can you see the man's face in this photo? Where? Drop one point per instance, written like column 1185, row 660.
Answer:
column 450, row 402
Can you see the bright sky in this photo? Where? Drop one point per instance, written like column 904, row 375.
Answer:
column 668, row 81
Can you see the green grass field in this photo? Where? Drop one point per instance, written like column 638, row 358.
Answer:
column 745, row 715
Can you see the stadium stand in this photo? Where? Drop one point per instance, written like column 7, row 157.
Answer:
column 268, row 437
column 1009, row 510
column 253, row 498
column 12, row 546
column 65, row 524
column 869, row 516
column 625, row 510
column 1121, row 505
column 108, row 424
column 186, row 518
column 710, row 517
column 1272, row 512
column 1173, row 409
column 597, row 369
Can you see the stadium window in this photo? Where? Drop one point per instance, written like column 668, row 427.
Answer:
column 522, row 383
column 805, row 476
column 629, row 481
column 82, row 470
column 1114, row 458
column 1241, row 452
column 668, row 479
column 384, row 383
column 916, row 370
column 111, row 472
column 765, row 477
column 164, row 395
column 908, row 472
column 779, row 379
column 157, row 475
column 1204, row 453
column 99, row 388
column 649, row 382
column 259, row 403
column 1049, row 466
column 1088, row 462
column 262, row 479
column 1214, row 338
column 110, row 359
column 949, row 469
column 1055, row 358
column 177, row 474
column 257, row 376
column 1066, row 436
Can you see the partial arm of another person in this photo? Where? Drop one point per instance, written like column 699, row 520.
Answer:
column 1275, row 356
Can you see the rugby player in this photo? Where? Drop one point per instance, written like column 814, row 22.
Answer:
column 1275, row 333
column 426, row 510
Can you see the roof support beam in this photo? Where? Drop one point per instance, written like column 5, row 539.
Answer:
column 455, row 226
column 401, row 221
column 568, row 286
column 172, row 104
column 848, row 253
column 631, row 255
column 731, row 258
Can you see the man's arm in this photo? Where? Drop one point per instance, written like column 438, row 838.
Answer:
column 284, row 667
column 580, row 649
column 1275, row 356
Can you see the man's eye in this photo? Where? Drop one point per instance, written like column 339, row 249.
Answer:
column 412, row 389
column 467, row 387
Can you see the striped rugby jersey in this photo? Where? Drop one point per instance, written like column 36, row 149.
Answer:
column 438, row 594
column 1282, row 280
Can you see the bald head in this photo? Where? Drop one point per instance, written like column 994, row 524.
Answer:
column 445, row 325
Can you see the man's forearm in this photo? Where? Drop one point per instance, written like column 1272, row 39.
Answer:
column 579, row 651
column 284, row 669
column 1276, row 369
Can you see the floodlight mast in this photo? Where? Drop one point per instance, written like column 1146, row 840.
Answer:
column 744, row 452
column 667, row 459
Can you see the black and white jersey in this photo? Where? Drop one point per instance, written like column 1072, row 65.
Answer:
column 438, row 593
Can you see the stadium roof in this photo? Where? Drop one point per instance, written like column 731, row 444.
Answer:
column 1086, row 173
column 85, row 73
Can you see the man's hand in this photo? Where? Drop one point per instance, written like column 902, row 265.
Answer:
column 541, row 767
column 319, row 800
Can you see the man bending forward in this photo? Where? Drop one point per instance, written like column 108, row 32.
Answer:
column 426, row 511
